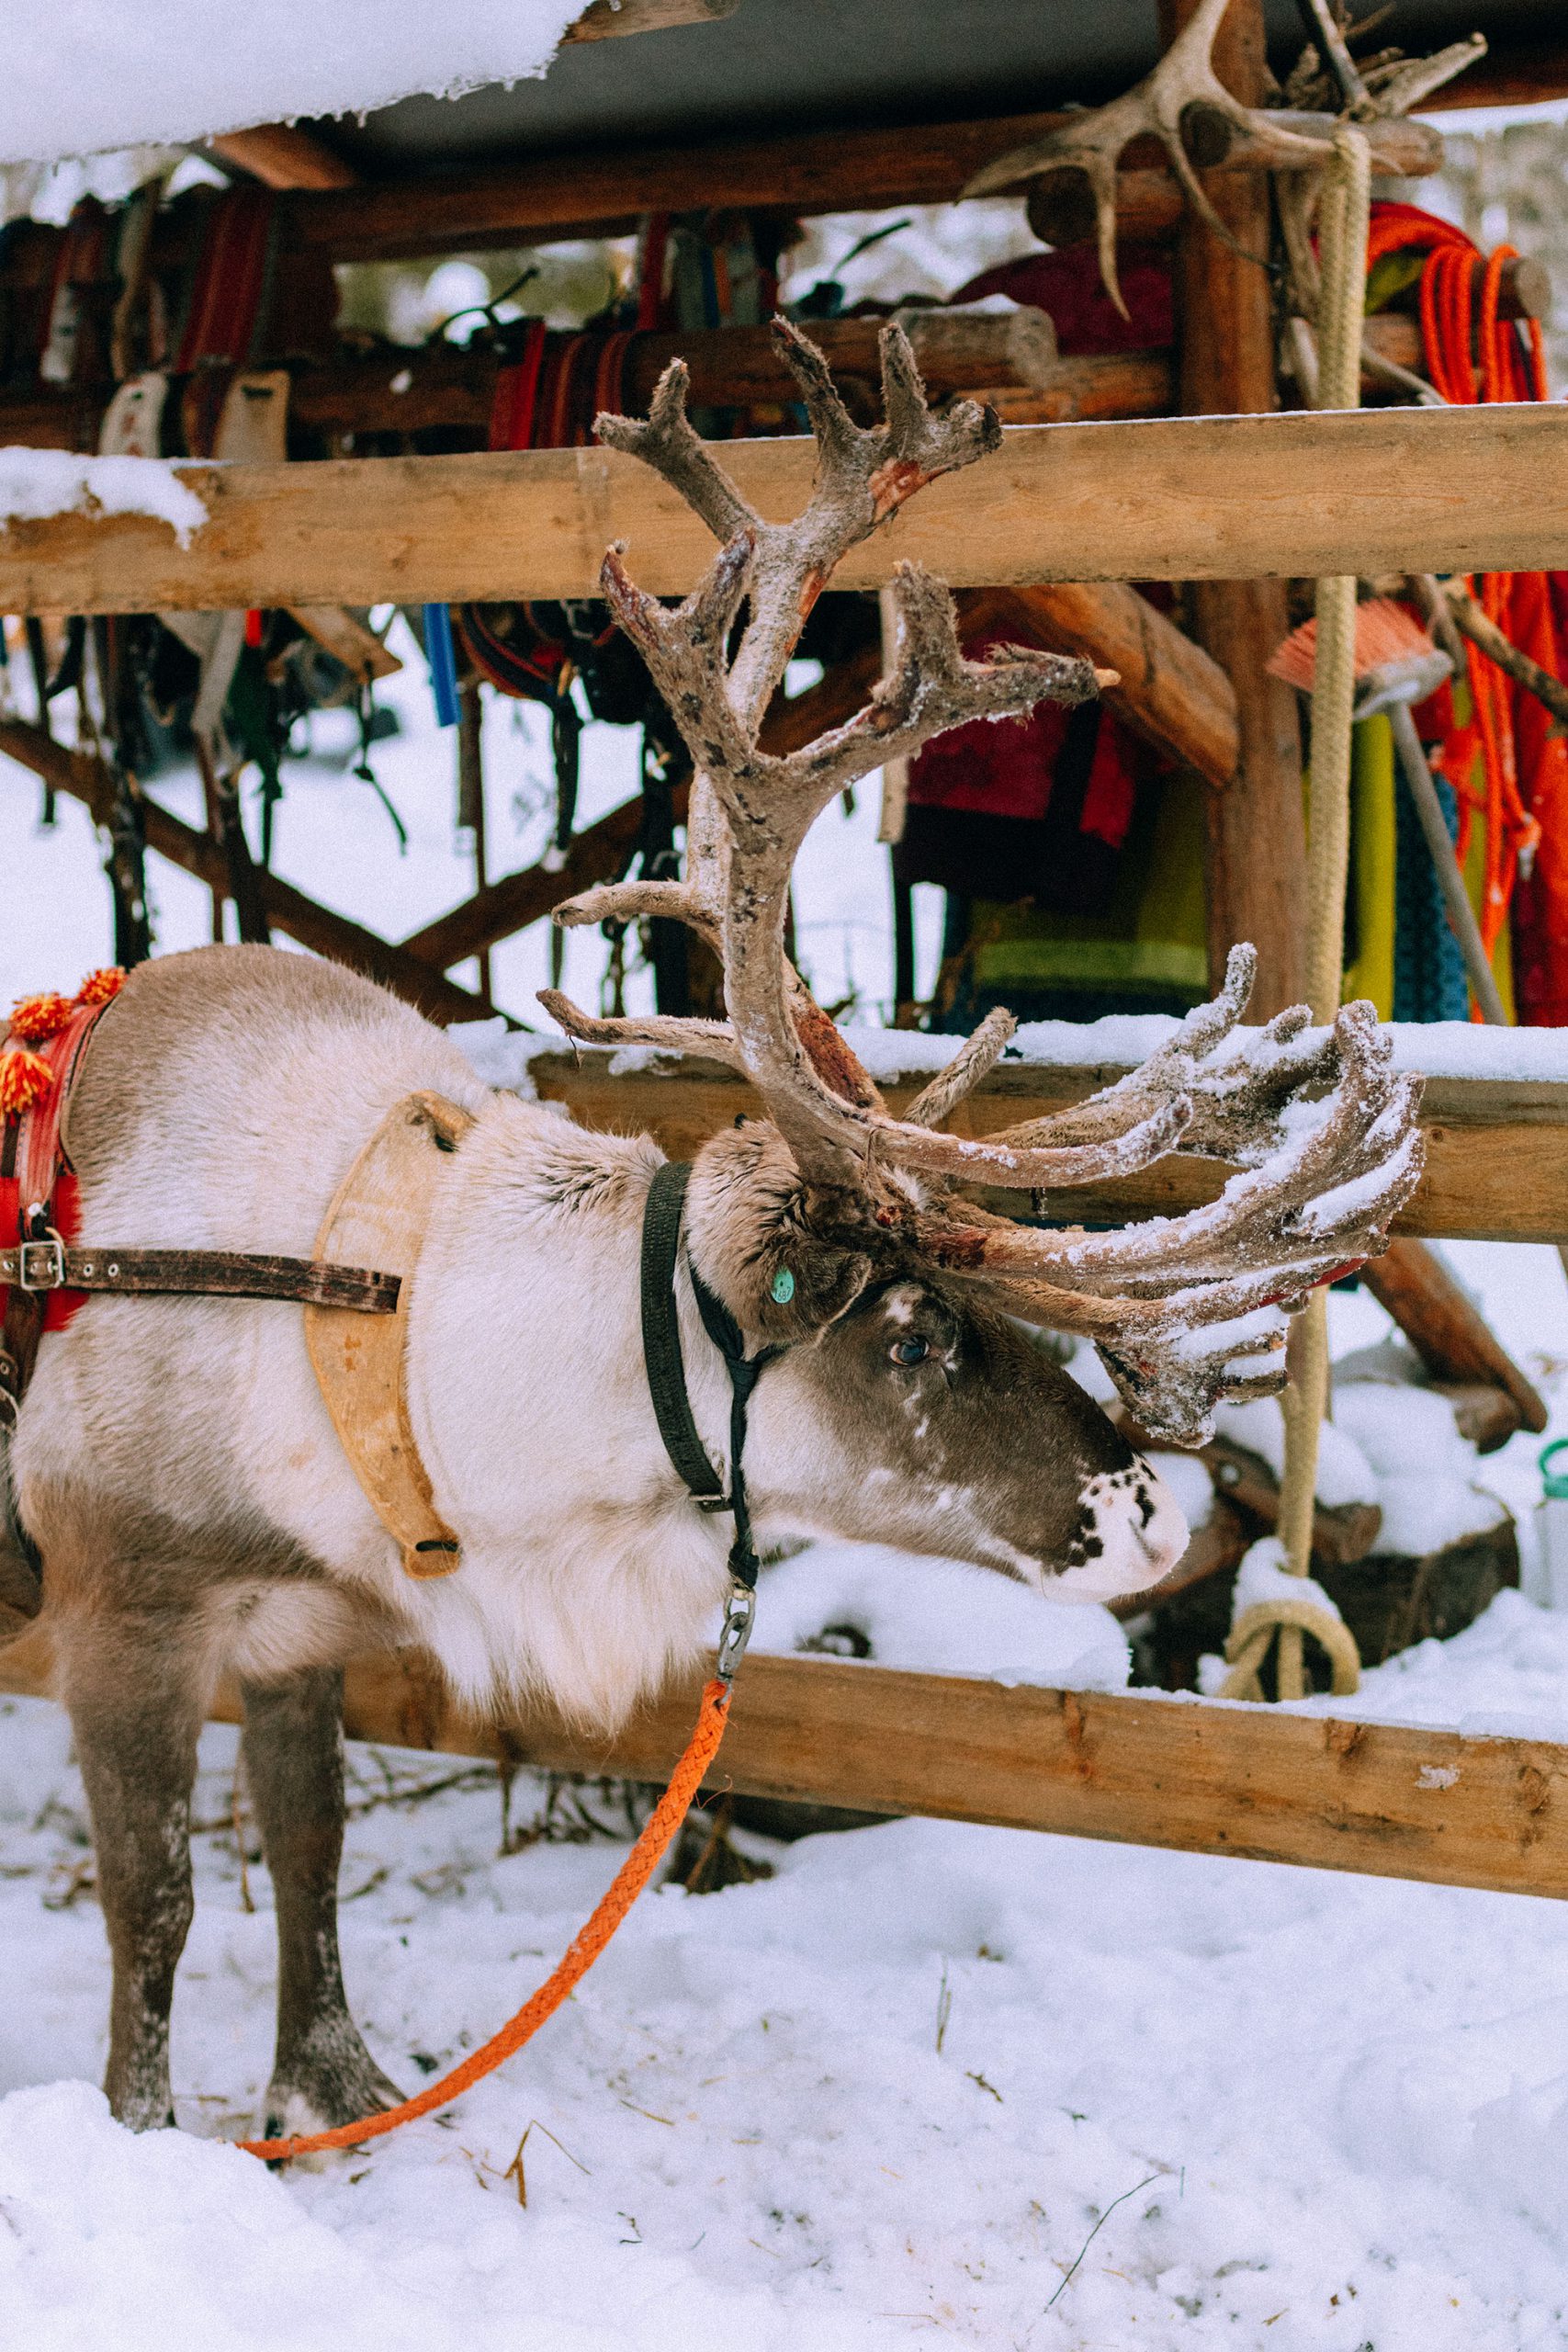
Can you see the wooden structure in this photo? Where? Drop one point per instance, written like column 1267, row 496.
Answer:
column 1099, row 484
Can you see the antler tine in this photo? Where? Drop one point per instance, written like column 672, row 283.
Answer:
column 1185, row 76
column 978, row 1054
column 714, row 1039
column 666, row 440
column 1364, row 1147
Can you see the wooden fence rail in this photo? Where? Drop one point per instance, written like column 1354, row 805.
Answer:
column 1496, row 1150
column 1134, row 1769
column 1481, row 489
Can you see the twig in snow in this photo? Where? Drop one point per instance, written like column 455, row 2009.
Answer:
column 1099, row 2225
column 944, row 2009
column 515, row 2169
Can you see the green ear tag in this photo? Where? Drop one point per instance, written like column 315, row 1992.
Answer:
column 783, row 1287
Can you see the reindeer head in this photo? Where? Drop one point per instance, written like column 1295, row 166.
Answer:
column 909, row 1406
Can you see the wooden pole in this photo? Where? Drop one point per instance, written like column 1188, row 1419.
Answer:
column 1256, row 844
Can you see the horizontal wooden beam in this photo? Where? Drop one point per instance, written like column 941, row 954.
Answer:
column 612, row 19
column 288, row 910
column 1481, row 489
column 1128, row 1768
column 1496, row 1150
column 282, row 154
column 537, row 197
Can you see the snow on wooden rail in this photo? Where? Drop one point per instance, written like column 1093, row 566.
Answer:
column 1496, row 1146
column 1481, row 489
column 1135, row 1768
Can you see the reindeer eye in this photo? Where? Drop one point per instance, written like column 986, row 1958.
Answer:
column 910, row 1350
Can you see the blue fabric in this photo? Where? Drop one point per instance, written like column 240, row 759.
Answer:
column 1428, row 970
column 442, row 657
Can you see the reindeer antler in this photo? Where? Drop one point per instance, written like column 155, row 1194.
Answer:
column 1184, row 78
column 1183, row 1309
column 1185, row 85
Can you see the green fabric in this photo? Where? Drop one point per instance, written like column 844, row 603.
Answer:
column 1374, row 857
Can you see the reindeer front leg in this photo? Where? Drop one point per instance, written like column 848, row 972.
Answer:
column 323, row 2074
column 136, row 1693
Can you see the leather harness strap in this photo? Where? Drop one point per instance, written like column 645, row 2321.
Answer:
column 50, row 1264
column 666, row 1371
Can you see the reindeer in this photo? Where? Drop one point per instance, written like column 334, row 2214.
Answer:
column 178, row 1471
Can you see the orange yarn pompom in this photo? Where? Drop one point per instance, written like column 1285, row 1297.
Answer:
column 34, row 1018
column 25, row 1079
column 98, row 986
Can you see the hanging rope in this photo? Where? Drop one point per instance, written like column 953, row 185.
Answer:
column 1342, row 245
column 1472, row 354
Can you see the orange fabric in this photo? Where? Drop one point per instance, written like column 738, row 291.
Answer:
column 1472, row 355
column 625, row 1888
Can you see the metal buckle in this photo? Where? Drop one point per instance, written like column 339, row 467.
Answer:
column 739, row 1617
column 50, row 1252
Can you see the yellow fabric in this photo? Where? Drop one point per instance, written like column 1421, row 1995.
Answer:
column 1374, row 855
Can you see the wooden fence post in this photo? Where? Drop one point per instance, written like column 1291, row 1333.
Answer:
column 1256, row 848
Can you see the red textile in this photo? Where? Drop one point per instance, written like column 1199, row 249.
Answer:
column 1003, row 767
column 1067, row 284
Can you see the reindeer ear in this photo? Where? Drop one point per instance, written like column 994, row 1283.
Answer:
column 803, row 1284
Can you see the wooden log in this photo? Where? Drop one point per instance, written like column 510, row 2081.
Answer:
column 288, row 910
column 1451, row 1337
column 1083, row 391
column 959, row 350
column 1481, row 489
column 282, row 154
column 1496, row 1150
column 1255, row 851
column 1514, row 72
column 535, row 198
column 1150, row 203
column 1130, row 1768
column 612, row 19
column 1170, row 691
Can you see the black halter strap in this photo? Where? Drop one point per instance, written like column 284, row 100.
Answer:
column 667, row 1386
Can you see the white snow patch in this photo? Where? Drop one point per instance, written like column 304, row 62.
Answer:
column 935, row 1616
column 1263, row 1577
column 1343, row 1473
column 1191, row 1484
column 82, row 76
column 36, row 484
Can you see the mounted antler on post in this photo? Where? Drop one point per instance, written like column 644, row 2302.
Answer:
column 1183, row 104
column 1184, row 1310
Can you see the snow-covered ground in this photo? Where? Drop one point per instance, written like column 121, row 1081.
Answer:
column 881, row 2098
column 891, row 2092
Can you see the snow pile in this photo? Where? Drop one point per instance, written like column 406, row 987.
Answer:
column 1505, row 1675
column 1263, row 1577
column 1426, row 1470
column 1343, row 1473
column 938, row 1616
column 35, row 483
column 1390, row 1443
column 83, row 75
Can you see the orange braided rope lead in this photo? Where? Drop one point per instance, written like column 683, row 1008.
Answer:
column 623, row 1891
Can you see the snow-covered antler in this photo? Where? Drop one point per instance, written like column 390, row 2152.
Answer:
column 1183, row 1309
